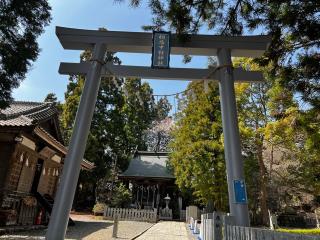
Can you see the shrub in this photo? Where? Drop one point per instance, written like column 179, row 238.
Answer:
column 121, row 197
column 98, row 208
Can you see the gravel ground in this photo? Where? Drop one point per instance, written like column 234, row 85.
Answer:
column 89, row 229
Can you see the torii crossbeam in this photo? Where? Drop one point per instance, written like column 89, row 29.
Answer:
column 202, row 45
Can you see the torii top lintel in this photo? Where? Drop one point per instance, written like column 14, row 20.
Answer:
column 141, row 42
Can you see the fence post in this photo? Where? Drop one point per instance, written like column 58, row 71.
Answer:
column 316, row 212
column 227, row 221
column 105, row 212
column 187, row 214
column 115, row 226
column 217, row 225
column 202, row 227
column 195, row 228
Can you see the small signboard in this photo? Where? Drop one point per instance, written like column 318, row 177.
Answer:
column 240, row 193
column 160, row 49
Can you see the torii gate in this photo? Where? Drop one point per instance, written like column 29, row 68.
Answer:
column 139, row 42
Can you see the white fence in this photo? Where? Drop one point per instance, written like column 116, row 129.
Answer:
column 131, row 214
column 194, row 212
column 247, row 233
column 165, row 214
column 211, row 226
column 218, row 226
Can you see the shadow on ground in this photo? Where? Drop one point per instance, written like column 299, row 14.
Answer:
column 81, row 230
column 84, row 229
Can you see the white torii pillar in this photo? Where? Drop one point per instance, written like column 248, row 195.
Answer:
column 204, row 45
column 232, row 150
column 72, row 164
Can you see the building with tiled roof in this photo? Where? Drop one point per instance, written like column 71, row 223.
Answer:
column 32, row 153
column 20, row 114
column 151, row 182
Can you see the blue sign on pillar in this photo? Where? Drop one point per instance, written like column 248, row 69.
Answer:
column 160, row 49
column 240, row 193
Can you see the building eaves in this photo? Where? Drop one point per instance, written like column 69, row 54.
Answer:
column 49, row 139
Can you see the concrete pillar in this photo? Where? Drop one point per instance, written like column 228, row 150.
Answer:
column 72, row 164
column 233, row 158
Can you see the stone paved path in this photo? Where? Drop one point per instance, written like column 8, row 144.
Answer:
column 166, row 231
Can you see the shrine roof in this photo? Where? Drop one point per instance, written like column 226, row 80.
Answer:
column 148, row 165
column 22, row 113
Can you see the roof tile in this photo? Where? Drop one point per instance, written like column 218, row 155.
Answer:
column 21, row 113
column 148, row 165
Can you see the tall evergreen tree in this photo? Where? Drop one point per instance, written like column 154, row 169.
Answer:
column 197, row 157
column 272, row 125
column 270, row 122
column 252, row 100
column 51, row 97
column 21, row 22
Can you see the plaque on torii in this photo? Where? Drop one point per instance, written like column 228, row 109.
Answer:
column 100, row 42
column 160, row 57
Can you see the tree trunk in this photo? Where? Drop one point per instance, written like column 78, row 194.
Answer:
column 263, row 183
column 271, row 162
column 94, row 192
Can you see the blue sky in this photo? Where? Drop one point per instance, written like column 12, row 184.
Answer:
column 44, row 78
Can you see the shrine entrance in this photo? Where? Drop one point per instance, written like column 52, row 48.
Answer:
column 100, row 42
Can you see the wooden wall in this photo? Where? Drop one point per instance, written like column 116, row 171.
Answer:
column 6, row 151
column 27, row 174
column 18, row 166
column 47, row 183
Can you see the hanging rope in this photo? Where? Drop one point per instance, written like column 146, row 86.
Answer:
column 205, row 79
column 169, row 95
column 98, row 61
column 103, row 64
column 214, row 69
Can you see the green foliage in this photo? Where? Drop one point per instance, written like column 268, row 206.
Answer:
column 266, row 113
column 252, row 100
column 271, row 124
column 51, row 97
column 98, row 208
column 21, row 22
column 293, row 25
column 117, row 125
column 124, row 111
column 121, row 197
column 197, row 157
column 138, row 111
column 253, row 184
column 162, row 108
column 104, row 188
